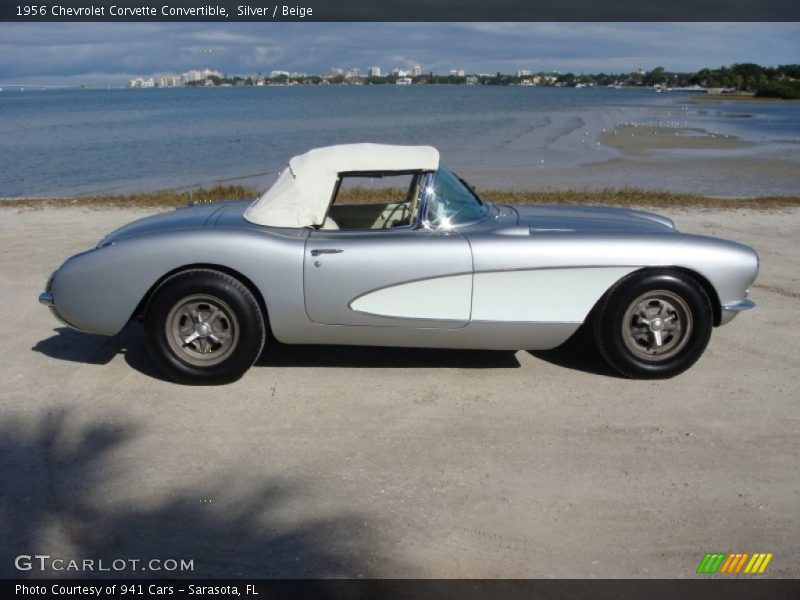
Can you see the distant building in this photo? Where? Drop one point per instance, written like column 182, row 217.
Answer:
column 167, row 80
column 192, row 76
column 416, row 71
column 374, row 71
column 458, row 72
column 141, row 82
column 472, row 80
column 403, row 81
column 352, row 74
column 523, row 73
column 400, row 72
column 335, row 72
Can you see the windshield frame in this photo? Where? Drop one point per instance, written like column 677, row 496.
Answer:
column 427, row 200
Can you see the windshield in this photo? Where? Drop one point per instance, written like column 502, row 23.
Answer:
column 448, row 202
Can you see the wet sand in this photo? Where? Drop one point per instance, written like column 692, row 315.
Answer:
column 642, row 140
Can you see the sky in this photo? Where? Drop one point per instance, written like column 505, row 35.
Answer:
column 112, row 53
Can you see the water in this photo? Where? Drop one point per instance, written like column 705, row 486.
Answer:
column 68, row 142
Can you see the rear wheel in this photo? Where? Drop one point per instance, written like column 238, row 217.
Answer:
column 204, row 327
column 653, row 324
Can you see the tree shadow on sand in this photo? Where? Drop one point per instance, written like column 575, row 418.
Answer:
column 59, row 487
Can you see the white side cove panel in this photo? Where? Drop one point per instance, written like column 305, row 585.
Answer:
column 542, row 295
column 441, row 298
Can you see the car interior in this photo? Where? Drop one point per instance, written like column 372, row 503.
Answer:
column 374, row 201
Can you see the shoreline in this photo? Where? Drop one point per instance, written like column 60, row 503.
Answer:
column 713, row 98
column 624, row 196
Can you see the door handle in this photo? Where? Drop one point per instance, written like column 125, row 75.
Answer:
column 318, row 251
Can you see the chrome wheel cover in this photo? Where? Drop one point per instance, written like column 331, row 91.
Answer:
column 202, row 330
column 657, row 325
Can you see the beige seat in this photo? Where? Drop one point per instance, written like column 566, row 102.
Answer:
column 329, row 224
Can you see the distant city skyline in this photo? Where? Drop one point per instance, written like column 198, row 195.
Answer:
column 108, row 53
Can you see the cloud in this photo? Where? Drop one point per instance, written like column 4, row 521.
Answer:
column 110, row 52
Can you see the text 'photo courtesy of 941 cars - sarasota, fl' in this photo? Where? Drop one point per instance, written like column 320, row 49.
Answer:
column 438, row 266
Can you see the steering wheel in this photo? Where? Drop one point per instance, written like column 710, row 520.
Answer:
column 388, row 223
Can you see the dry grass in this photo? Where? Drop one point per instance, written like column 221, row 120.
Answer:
column 610, row 197
column 162, row 198
column 638, row 197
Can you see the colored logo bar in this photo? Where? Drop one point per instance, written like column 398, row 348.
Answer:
column 734, row 563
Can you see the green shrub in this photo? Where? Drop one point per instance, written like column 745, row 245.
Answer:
column 787, row 89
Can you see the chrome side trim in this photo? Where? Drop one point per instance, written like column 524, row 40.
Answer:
column 46, row 298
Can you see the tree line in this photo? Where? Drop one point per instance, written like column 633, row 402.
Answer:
column 782, row 81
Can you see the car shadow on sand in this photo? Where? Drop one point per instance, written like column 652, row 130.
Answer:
column 87, row 348
column 362, row 357
column 74, row 346
column 579, row 353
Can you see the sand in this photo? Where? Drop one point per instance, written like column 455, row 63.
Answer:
column 641, row 140
column 399, row 463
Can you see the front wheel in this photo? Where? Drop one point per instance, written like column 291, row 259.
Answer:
column 204, row 327
column 653, row 324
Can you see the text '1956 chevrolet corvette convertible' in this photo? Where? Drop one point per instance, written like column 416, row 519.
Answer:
column 436, row 267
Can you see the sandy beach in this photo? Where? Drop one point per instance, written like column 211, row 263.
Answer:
column 399, row 463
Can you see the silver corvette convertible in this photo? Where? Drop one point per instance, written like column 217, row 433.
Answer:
column 437, row 266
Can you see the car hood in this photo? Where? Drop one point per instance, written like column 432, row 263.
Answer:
column 188, row 217
column 589, row 219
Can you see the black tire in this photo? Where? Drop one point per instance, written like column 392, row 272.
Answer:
column 653, row 324
column 204, row 327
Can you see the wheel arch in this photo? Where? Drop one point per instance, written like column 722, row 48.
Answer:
column 716, row 305
column 708, row 288
column 141, row 308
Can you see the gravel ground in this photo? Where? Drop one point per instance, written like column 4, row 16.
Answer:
column 398, row 463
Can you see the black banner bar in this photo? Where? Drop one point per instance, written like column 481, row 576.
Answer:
column 416, row 589
column 400, row 10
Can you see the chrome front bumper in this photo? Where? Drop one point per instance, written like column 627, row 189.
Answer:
column 729, row 311
column 46, row 298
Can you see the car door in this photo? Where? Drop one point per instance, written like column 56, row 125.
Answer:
column 395, row 278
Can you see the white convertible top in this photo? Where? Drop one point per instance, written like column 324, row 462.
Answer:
column 302, row 192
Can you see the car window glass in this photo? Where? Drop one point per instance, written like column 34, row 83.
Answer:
column 373, row 201
column 449, row 202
